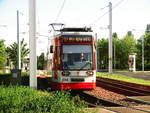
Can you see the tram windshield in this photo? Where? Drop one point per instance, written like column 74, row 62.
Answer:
column 77, row 57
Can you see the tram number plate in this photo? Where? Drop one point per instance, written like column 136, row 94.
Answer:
column 65, row 79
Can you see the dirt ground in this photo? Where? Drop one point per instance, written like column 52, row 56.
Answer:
column 138, row 74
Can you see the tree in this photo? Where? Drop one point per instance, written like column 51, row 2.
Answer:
column 12, row 52
column 144, row 41
column 139, row 53
column 3, row 54
column 128, row 46
column 146, row 47
column 40, row 62
column 102, row 49
column 121, row 49
column 147, row 29
column 115, row 39
column 114, row 35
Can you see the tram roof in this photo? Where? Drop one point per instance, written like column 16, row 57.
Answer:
column 85, row 29
column 74, row 31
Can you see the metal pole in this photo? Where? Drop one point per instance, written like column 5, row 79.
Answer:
column 143, row 53
column 32, row 43
column 114, row 55
column 97, row 53
column 110, row 38
column 98, row 58
column 18, row 42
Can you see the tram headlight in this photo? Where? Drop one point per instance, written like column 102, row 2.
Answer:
column 65, row 73
column 90, row 73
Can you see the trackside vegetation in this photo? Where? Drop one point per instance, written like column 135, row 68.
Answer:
column 21, row 99
column 123, row 78
column 6, row 79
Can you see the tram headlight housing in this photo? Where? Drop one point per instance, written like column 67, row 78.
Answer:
column 90, row 73
column 65, row 73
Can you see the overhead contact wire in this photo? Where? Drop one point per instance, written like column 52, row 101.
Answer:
column 60, row 11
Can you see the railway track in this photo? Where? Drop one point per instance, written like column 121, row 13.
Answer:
column 96, row 97
column 118, row 87
column 93, row 101
column 123, row 87
column 127, row 89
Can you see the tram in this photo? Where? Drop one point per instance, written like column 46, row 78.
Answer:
column 73, row 59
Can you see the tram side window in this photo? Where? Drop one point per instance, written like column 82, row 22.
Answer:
column 51, row 49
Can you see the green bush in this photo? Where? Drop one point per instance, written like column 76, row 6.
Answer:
column 24, row 99
column 25, row 78
column 25, row 74
column 5, row 79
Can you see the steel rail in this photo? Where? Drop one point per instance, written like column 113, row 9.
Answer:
column 123, row 87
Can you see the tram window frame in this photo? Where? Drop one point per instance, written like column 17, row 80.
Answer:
column 51, row 49
column 58, row 50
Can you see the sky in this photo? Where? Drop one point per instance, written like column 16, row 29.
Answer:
column 126, row 16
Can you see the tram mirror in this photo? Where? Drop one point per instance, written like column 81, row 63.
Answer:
column 51, row 49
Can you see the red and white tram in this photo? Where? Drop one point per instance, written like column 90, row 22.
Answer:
column 73, row 59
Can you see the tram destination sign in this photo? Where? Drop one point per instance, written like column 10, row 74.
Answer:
column 77, row 38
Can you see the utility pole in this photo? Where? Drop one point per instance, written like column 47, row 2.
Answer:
column 32, row 43
column 114, row 55
column 110, row 38
column 143, row 53
column 18, row 42
column 142, row 38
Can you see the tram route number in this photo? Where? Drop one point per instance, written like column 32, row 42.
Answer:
column 65, row 79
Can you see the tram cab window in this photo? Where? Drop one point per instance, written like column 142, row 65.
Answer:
column 77, row 56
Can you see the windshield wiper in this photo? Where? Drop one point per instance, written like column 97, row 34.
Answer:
column 87, row 62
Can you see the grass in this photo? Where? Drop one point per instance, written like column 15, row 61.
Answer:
column 15, row 99
column 124, row 78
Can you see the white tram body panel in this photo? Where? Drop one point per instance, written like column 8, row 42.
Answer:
column 75, row 76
